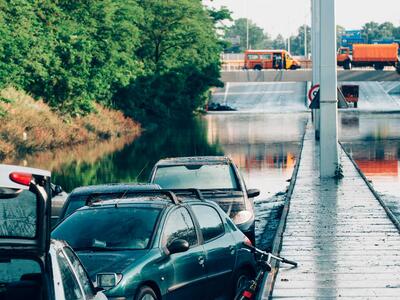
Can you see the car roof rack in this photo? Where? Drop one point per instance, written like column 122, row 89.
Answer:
column 170, row 193
column 191, row 191
column 122, row 195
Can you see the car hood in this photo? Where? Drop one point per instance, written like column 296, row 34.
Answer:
column 115, row 262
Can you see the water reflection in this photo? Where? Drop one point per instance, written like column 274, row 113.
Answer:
column 373, row 140
column 122, row 160
column 264, row 146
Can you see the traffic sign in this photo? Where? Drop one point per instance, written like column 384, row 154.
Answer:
column 313, row 92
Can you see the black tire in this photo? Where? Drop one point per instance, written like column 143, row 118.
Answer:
column 257, row 67
column 241, row 279
column 146, row 293
column 355, row 104
column 379, row 67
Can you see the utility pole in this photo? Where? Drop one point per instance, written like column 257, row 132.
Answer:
column 247, row 33
column 288, row 44
column 305, row 41
column 329, row 161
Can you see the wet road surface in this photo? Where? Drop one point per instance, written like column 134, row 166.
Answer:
column 340, row 235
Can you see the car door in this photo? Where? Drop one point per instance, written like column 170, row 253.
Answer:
column 219, row 247
column 189, row 274
column 24, row 233
column 25, row 202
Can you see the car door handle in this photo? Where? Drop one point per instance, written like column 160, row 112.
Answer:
column 201, row 261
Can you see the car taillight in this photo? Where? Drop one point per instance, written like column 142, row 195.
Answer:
column 21, row 178
column 247, row 241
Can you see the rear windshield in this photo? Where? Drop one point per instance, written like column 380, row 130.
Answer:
column 196, row 176
column 18, row 213
column 108, row 228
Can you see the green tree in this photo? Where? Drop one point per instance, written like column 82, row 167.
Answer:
column 180, row 51
column 297, row 42
column 279, row 42
column 238, row 33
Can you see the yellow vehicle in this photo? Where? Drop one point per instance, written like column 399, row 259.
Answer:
column 269, row 59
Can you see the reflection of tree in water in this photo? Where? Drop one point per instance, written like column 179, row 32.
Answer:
column 134, row 162
column 18, row 215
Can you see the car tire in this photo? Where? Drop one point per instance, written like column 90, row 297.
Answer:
column 240, row 282
column 146, row 293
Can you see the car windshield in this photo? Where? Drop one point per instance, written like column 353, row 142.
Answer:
column 197, row 176
column 18, row 214
column 108, row 228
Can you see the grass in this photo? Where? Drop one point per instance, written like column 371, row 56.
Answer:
column 28, row 125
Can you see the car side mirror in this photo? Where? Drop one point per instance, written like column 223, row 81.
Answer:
column 252, row 193
column 178, row 246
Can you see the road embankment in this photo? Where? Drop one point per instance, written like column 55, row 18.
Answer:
column 28, row 125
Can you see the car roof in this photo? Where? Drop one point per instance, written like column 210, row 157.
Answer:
column 114, row 188
column 194, row 160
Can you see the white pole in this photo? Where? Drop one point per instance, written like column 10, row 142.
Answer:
column 288, row 44
column 247, row 33
column 328, row 90
column 305, row 40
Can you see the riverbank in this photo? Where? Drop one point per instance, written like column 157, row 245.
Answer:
column 28, row 125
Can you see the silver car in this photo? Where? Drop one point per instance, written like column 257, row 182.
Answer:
column 31, row 265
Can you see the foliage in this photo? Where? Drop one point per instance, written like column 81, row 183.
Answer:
column 297, row 42
column 237, row 34
column 31, row 125
column 180, row 52
column 158, row 98
column 72, row 53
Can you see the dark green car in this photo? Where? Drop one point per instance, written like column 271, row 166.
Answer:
column 159, row 245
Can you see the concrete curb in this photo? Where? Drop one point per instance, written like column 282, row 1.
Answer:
column 390, row 214
column 269, row 280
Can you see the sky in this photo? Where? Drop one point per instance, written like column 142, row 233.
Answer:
column 285, row 16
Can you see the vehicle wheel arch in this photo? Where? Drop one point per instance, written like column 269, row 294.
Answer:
column 245, row 267
column 152, row 285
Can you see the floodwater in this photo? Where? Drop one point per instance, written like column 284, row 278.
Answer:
column 264, row 146
column 373, row 140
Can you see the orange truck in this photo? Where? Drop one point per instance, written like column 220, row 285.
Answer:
column 369, row 55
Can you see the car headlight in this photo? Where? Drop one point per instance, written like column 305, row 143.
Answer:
column 108, row 280
column 242, row 217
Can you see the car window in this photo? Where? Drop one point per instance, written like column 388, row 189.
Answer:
column 266, row 56
column 252, row 56
column 14, row 269
column 210, row 221
column 179, row 226
column 220, row 176
column 80, row 272
column 111, row 227
column 72, row 290
column 18, row 214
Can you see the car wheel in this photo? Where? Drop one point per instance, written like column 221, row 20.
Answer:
column 146, row 293
column 240, row 282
